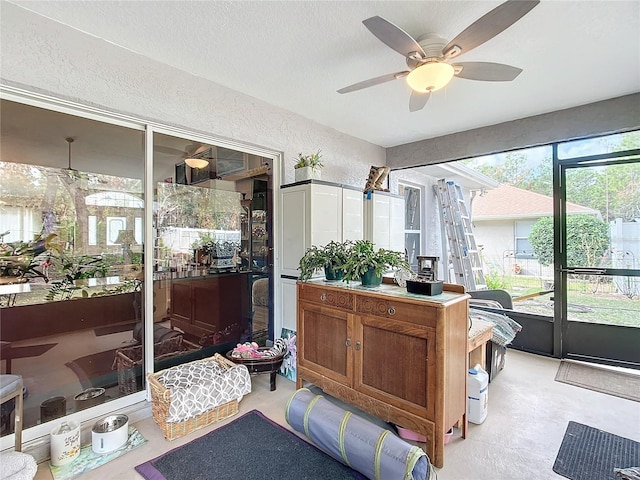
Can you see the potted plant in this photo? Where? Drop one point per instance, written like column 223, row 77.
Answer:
column 308, row 166
column 367, row 264
column 329, row 257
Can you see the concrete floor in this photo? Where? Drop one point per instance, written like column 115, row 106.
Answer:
column 528, row 415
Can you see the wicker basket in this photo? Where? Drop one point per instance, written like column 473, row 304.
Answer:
column 127, row 359
column 161, row 401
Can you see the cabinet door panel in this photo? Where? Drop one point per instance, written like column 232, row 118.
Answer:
column 221, row 303
column 325, row 219
column 295, row 235
column 325, row 332
column 181, row 301
column 396, row 363
column 352, row 215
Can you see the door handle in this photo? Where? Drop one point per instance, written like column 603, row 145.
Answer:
column 348, row 342
column 585, row 271
column 358, row 345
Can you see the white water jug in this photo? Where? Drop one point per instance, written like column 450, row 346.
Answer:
column 478, row 394
column 65, row 443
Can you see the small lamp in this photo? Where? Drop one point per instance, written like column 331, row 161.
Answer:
column 198, row 159
column 197, row 162
column 430, row 77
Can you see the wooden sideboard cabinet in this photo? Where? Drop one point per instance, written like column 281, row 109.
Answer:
column 399, row 356
column 215, row 304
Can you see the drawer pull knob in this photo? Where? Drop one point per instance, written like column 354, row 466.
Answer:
column 392, row 310
column 348, row 342
column 358, row 345
column 323, row 297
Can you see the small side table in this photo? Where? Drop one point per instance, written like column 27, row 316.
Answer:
column 269, row 365
column 480, row 333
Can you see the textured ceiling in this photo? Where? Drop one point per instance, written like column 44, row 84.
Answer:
column 295, row 55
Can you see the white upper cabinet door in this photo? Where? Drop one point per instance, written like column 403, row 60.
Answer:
column 384, row 220
column 352, row 213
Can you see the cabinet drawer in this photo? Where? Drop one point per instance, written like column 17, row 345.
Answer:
column 394, row 309
column 325, row 296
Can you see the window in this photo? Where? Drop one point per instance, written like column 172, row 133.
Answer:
column 93, row 230
column 114, row 225
column 523, row 248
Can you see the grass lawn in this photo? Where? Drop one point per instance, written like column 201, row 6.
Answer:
column 603, row 306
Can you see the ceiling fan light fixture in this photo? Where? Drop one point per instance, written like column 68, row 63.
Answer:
column 430, row 77
column 196, row 162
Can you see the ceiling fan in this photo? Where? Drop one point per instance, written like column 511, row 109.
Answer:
column 429, row 57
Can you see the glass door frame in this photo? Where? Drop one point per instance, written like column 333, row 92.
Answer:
column 577, row 340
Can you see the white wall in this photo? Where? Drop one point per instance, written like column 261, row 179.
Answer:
column 494, row 237
column 431, row 244
column 44, row 56
column 497, row 237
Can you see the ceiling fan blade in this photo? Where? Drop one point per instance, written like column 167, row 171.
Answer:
column 394, row 37
column 418, row 100
column 487, row 71
column 488, row 26
column 373, row 81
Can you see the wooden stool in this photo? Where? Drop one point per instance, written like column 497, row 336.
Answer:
column 480, row 333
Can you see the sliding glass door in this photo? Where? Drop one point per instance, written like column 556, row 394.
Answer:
column 599, row 248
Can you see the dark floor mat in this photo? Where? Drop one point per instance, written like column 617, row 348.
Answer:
column 587, row 453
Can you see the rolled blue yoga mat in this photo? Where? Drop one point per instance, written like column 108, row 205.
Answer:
column 371, row 450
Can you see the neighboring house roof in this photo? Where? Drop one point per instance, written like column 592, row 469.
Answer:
column 508, row 202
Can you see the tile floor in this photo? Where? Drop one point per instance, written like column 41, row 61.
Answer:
column 528, row 415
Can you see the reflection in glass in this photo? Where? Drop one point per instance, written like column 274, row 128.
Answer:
column 62, row 334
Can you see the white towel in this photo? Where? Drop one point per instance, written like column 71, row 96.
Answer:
column 17, row 466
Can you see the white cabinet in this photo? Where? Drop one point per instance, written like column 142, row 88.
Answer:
column 315, row 213
column 384, row 220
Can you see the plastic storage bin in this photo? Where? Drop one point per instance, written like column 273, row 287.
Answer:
column 478, row 394
column 495, row 359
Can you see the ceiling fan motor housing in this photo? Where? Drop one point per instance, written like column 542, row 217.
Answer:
column 432, row 44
